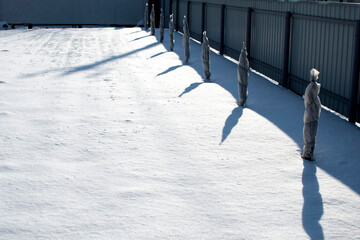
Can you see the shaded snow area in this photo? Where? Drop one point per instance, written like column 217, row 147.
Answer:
column 105, row 134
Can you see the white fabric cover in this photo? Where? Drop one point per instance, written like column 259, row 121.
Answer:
column 186, row 40
column 146, row 14
column 243, row 76
column 161, row 25
column 171, row 32
column 311, row 115
column 152, row 20
column 205, row 55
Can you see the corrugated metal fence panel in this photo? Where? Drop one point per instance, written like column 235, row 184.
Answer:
column 270, row 5
column 267, row 41
column 167, row 13
column 327, row 10
column 358, row 107
column 213, row 24
column 182, row 12
column 57, row 12
column 235, row 31
column 327, row 47
column 322, row 37
column 174, row 11
column 195, row 21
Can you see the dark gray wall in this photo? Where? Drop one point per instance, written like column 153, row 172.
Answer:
column 322, row 36
column 121, row 12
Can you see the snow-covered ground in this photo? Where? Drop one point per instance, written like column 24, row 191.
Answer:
column 105, row 134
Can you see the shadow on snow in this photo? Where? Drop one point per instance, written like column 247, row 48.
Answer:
column 313, row 208
column 170, row 69
column 335, row 151
column 231, row 122
column 113, row 58
column 190, row 88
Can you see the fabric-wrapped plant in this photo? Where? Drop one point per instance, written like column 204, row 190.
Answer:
column 152, row 20
column 243, row 76
column 161, row 26
column 146, row 14
column 205, row 56
column 311, row 115
column 171, row 32
column 186, row 40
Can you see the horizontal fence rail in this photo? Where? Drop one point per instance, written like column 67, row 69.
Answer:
column 285, row 40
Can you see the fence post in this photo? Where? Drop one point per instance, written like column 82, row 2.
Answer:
column 177, row 15
column 285, row 76
column 171, row 7
column 202, row 19
column 355, row 75
column 248, row 32
column 222, row 29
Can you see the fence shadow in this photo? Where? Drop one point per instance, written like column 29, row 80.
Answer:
column 110, row 59
column 89, row 66
column 335, row 152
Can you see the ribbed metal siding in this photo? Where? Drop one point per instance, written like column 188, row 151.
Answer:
column 267, row 41
column 322, row 36
column 195, row 22
column 182, row 12
column 174, row 12
column 328, row 47
column 213, row 24
column 358, row 107
column 235, row 30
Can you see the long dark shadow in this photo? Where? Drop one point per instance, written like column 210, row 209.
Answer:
column 267, row 99
column 231, row 122
column 140, row 38
column 92, row 65
column 95, row 64
column 158, row 54
column 190, row 88
column 313, row 208
column 169, row 70
column 140, row 30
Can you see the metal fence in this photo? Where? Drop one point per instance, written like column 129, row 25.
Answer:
column 68, row 12
column 285, row 40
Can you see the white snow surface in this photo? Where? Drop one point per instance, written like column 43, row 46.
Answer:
column 105, row 134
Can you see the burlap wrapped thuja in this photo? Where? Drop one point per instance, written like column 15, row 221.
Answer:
column 161, row 26
column 243, row 76
column 171, row 32
column 186, row 40
column 311, row 115
column 146, row 14
column 152, row 20
column 205, row 55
